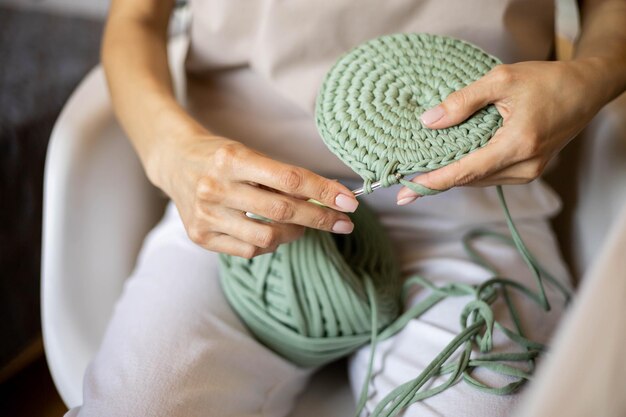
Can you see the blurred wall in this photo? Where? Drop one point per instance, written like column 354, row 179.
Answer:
column 43, row 56
column 85, row 8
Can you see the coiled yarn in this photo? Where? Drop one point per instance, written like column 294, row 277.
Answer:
column 321, row 297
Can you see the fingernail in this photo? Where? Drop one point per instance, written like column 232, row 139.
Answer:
column 406, row 200
column 344, row 227
column 432, row 115
column 346, row 203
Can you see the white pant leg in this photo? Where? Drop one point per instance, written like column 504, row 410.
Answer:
column 431, row 246
column 175, row 348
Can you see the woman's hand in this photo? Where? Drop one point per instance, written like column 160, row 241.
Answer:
column 213, row 181
column 543, row 104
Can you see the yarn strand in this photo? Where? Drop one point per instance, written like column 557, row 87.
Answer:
column 478, row 333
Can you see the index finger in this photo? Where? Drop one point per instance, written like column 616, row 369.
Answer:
column 298, row 182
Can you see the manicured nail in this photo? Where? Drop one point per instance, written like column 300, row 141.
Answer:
column 431, row 116
column 343, row 227
column 346, row 203
column 406, row 200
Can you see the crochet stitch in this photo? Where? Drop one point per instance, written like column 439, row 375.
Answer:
column 368, row 106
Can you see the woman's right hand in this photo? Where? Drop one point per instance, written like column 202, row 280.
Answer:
column 214, row 181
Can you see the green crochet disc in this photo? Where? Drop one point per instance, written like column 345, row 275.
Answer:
column 369, row 106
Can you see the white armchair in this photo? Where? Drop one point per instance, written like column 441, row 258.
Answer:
column 98, row 206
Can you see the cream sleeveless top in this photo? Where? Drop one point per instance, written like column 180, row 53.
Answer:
column 254, row 68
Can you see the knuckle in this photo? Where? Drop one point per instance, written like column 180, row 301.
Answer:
column 502, row 74
column 266, row 238
column 214, row 246
column 202, row 212
column 532, row 145
column 466, row 177
column 197, row 234
column 226, row 154
column 323, row 221
column 281, row 210
column 325, row 192
column 269, row 249
column 461, row 174
column 534, row 170
column 291, row 179
column 207, row 188
column 457, row 101
column 248, row 252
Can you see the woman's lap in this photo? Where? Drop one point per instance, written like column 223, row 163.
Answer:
column 404, row 356
column 174, row 347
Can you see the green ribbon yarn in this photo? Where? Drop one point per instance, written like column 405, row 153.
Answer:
column 324, row 296
column 314, row 300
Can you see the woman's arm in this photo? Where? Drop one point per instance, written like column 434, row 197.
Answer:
column 134, row 56
column 603, row 44
column 543, row 104
column 212, row 180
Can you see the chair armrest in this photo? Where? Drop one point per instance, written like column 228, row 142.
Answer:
column 98, row 207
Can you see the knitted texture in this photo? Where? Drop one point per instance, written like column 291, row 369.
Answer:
column 369, row 105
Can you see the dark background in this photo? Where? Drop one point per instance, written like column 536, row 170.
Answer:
column 43, row 57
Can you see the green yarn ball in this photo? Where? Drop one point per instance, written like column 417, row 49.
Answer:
column 310, row 301
column 368, row 107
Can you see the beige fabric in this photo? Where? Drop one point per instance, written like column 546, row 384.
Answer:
column 586, row 374
column 293, row 43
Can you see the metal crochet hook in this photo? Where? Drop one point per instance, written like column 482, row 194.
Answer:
column 376, row 185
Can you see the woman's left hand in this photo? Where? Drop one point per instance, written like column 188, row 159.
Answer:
column 543, row 105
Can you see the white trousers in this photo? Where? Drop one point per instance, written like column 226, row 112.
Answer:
column 175, row 348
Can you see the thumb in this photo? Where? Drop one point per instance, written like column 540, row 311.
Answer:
column 473, row 167
column 459, row 105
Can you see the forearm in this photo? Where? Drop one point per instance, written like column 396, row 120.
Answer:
column 134, row 55
column 602, row 45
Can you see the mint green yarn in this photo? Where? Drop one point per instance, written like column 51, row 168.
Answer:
column 368, row 107
column 324, row 296
column 314, row 300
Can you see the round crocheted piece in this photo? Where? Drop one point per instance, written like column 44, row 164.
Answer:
column 369, row 106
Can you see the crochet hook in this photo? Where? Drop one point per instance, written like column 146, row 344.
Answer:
column 375, row 185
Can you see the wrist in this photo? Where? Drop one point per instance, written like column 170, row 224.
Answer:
column 161, row 160
column 605, row 77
